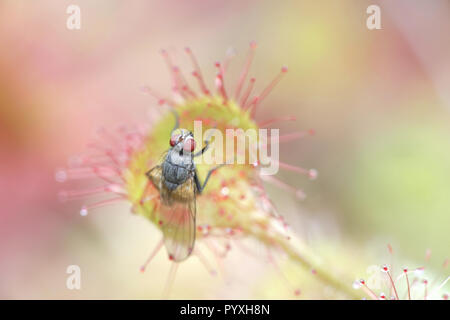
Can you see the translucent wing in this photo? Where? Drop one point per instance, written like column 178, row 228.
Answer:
column 178, row 212
column 155, row 174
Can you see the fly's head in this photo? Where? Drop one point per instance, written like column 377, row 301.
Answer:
column 182, row 141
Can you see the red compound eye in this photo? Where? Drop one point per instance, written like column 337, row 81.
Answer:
column 174, row 140
column 189, row 145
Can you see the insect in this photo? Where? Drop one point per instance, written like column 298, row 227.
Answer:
column 178, row 184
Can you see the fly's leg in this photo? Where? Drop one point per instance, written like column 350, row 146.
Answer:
column 210, row 172
column 207, row 142
column 203, row 149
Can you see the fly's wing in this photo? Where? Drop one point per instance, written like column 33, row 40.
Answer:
column 178, row 212
column 155, row 174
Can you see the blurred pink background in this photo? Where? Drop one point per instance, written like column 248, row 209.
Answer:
column 379, row 101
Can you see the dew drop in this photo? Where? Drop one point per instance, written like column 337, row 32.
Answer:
column 419, row 272
column 225, row 191
column 357, row 284
column 83, row 211
column 114, row 188
column 312, row 174
column 61, row 175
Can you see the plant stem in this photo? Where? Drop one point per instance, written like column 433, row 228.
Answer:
column 325, row 275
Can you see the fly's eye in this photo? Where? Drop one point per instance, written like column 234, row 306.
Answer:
column 174, row 139
column 189, row 145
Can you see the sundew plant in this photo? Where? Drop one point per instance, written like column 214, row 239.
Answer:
column 225, row 150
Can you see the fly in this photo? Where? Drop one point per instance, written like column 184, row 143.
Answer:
column 178, row 184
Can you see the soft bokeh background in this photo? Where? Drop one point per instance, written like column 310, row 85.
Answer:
column 378, row 100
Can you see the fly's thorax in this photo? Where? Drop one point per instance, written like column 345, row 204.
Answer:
column 177, row 169
column 180, row 158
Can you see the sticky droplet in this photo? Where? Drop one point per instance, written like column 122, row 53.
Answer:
column 83, row 211
column 225, row 191
column 312, row 174
column 61, row 176
column 419, row 272
column 357, row 284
